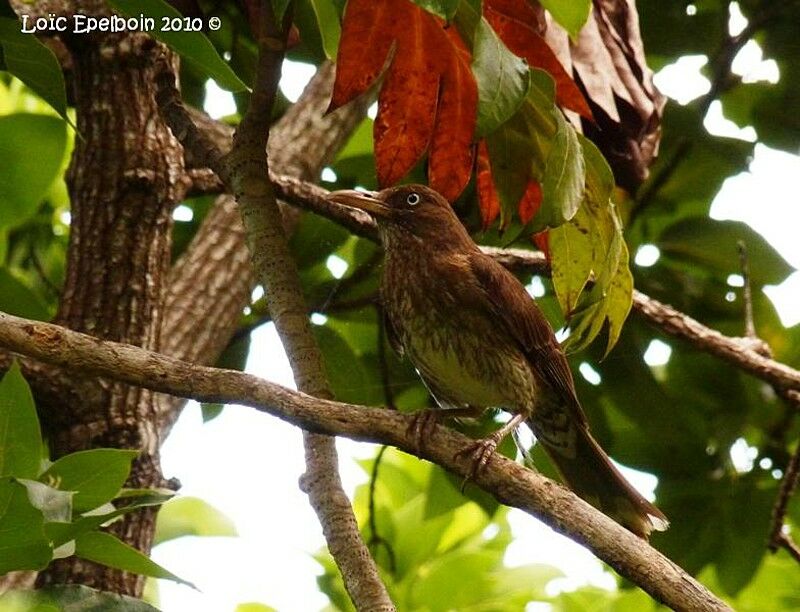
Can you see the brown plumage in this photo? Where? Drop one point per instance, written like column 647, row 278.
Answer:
column 478, row 340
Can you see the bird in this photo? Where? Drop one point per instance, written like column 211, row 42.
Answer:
column 479, row 341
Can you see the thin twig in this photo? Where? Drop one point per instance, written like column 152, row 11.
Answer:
column 789, row 545
column 747, row 293
column 788, row 486
column 778, row 536
column 375, row 538
column 33, row 257
column 722, row 61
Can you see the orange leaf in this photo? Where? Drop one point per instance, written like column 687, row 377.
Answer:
column 488, row 198
column 367, row 36
column 515, row 22
column 429, row 99
column 450, row 162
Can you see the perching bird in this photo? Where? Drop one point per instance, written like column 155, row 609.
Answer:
column 478, row 340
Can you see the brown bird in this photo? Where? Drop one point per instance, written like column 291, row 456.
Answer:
column 478, row 340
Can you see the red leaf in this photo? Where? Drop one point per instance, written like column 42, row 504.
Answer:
column 515, row 21
column 488, row 198
column 293, row 38
column 406, row 107
column 452, row 151
column 541, row 240
column 429, row 98
column 528, row 207
column 530, row 202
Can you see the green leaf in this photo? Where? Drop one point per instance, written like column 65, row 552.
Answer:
column 95, row 475
column 344, row 368
column 279, row 8
column 329, row 27
column 446, row 9
column 33, row 63
column 592, row 238
column 314, row 239
column 211, row 411
column 61, row 533
column 444, row 494
column 23, row 545
column 511, row 158
column 31, row 151
column 234, row 357
column 619, row 298
column 564, row 178
column 184, row 516
column 106, row 549
column 20, row 437
column 714, row 245
column 571, row 259
column 192, row 46
column 503, row 79
column 254, row 607
column 71, row 598
column 570, row 14
column 18, row 299
column 690, row 169
column 744, row 534
column 360, row 142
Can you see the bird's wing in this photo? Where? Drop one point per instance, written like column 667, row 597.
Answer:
column 391, row 333
column 523, row 320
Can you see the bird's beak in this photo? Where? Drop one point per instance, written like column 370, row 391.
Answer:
column 362, row 200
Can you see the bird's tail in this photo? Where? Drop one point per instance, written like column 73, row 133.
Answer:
column 588, row 471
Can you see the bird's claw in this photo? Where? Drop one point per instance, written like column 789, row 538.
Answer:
column 422, row 426
column 480, row 452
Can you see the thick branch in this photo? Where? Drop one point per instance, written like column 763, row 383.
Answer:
column 511, row 483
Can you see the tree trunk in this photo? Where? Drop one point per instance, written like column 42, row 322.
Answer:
column 125, row 177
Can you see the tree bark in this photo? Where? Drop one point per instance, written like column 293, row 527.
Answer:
column 125, row 177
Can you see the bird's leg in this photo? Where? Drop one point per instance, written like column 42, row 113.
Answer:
column 424, row 421
column 481, row 450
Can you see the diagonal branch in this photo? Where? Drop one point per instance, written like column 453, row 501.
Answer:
column 511, row 483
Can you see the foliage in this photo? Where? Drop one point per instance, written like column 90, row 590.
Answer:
column 430, row 541
column 54, row 510
column 678, row 421
column 532, row 164
column 70, row 598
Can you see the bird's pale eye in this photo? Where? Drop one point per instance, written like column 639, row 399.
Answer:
column 412, row 199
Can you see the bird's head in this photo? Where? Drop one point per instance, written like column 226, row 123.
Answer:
column 405, row 212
